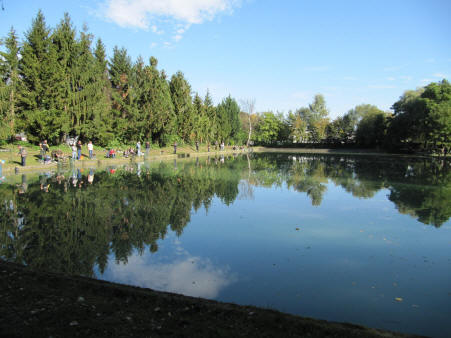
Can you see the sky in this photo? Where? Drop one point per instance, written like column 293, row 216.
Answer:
column 278, row 53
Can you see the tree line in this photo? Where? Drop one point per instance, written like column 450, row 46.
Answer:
column 421, row 122
column 55, row 84
column 58, row 82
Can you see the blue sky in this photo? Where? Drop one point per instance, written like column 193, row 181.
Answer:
column 280, row 53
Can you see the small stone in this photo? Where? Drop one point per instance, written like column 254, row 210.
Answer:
column 98, row 314
column 73, row 323
column 156, row 309
column 169, row 314
column 128, row 318
column 80, row 299
column 251, row 313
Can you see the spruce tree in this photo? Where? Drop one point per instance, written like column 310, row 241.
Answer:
column 158, row 105
column 212, row 126
column 183, row 107
column 9, row 82
column 228, row 117
column 33, row 69
column 120, row 75
column 102, row 97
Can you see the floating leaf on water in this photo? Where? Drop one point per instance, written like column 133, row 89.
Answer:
column 297, row 228
column 398, row 299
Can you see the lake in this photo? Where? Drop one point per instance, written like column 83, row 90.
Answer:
column 359, row 239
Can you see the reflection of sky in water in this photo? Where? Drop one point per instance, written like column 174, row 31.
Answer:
column 180, row 273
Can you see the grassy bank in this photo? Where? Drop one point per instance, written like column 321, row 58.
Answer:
column 9, row 154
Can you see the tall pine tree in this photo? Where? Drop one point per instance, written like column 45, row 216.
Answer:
column 183, row 107
column 9, row 82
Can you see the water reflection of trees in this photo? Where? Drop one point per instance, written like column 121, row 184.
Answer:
column 50, row 222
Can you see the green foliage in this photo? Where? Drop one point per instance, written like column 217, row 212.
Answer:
column 315, row 117
column 228, row 119
column 183, row 107
column 372, row 126
column 268, row 128
column 423, row 118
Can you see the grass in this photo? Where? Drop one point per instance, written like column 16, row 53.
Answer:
column 10, row 153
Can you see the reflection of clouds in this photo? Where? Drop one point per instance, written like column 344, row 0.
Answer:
column 191, row 276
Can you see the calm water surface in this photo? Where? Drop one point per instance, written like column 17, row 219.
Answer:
column 358, row 239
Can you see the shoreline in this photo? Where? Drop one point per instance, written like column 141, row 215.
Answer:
column 43, row 304
column 183, row 155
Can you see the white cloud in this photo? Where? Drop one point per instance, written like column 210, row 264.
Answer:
column 430, row 60
column 177, row 37
column 427, row 81
column 440, row 75
column 390, row 78
column 191, row 276
column 153, row 45
column 148, row 14
column 350, row 78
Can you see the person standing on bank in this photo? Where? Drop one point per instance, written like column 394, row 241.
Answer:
column 79, row 150
column 74, row 151
column 197, row 145
column 90, row 149
column 44, row 149
column 175, row 147
column 23, row 155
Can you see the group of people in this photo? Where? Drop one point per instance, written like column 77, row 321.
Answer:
column 76, row 150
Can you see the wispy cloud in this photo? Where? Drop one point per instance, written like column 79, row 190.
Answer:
column 426, row 81
column 440, row 75
column 148, row 14
column 350, row 78
column 430, row 60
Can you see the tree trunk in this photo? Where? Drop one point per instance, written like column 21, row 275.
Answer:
column 250, row 131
